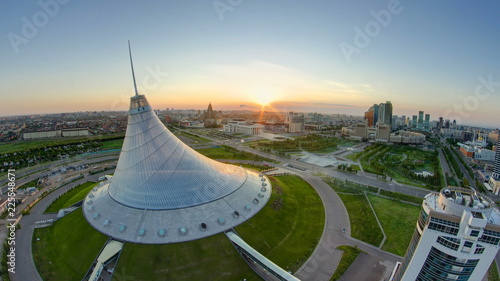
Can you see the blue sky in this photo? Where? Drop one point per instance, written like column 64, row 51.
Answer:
column 429, row 56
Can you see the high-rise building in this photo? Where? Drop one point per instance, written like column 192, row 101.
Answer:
column 381, row 114
column 427, row 121
column 414, row 122
column 420, row 123
column 496, row 167
column 210, row 114
column 388, row 113
column 456, row 238
column 295, row 122
column 447, row 123
column 372, row 115
column 440, row 124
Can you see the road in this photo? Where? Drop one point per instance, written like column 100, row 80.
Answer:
column 362, row 178
column 445, row 167
column 26, row 269
column 41, row 170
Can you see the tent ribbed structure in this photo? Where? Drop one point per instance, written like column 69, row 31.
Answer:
column 157, row 171
column 165, row 192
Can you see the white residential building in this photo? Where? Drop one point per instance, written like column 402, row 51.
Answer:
column 456, row 238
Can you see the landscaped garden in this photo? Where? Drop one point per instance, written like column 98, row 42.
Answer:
column 398, row 220
column 312, row 143
column 406, row 164
column 398, row 228
column 294, row 210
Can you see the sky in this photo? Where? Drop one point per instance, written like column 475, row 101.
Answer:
column 441, row 57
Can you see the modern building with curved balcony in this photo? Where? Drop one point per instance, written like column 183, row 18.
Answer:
column 456, row 238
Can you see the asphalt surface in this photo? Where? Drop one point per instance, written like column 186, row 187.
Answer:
column 25, row 266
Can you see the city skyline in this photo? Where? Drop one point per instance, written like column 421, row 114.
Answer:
column 63, row 56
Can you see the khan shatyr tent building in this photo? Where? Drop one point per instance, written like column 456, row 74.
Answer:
column 165, row 192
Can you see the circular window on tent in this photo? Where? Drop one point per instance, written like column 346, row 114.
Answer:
column 122, row 228
column 236, row 214
column 142, row 232
column 255, row 201
column 96, row 216
column 221, row 221
column 183, row 230
column 162, row 232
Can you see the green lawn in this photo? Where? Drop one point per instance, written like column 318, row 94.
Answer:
column 354, row 156
column 227, row 152
column 70, row 197
column 112, row 144
column 297, row 221
column 398, row 229
column 252, row 166
column 66, row 249
column 211, row 258
column 24, row 145
column 194, row 137
column 363, row 224
column 348, row 257
column 493, row 272
column 355, row 167
column 287, row 233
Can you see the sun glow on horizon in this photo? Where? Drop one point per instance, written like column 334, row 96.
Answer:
column 264, row 97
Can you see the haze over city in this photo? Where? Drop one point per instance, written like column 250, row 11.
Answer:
column 326, row 56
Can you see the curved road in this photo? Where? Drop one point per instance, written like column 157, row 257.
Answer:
column 25, row 265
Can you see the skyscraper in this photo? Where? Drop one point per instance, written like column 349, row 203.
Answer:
column 420, row 123
column 381, row 114
column 496, row 167
column 210, row 114
column 372, row 115
column 427, row 122
column 456, row 238
column 388, row 113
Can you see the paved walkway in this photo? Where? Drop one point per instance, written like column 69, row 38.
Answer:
column 325, row 258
